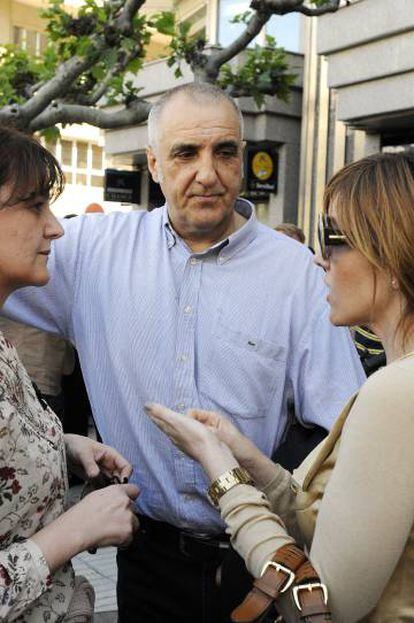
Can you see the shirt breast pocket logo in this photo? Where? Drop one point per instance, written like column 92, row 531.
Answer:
column 243, row 372
column 249, row 342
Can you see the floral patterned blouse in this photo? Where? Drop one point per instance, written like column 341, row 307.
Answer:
column 33, row 486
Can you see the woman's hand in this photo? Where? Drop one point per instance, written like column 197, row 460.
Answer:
column 87, row 458
column 197, row 440
column 108, row 516
column 203, row 435
column 104, row 517
column 225, row 431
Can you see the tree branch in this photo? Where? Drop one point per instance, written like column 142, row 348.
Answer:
column 119, row 67
column 329, row 7
column 123, row 23
column 69, row 71
column 217, row 59
column 282, row 7
column 136, row 112
column 65, row 75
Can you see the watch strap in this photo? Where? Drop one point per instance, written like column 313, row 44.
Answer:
column 226, row 481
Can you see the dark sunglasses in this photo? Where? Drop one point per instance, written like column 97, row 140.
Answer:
column 329, row 236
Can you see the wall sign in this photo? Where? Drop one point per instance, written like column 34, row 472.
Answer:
column 261, row 169
column 123, row 186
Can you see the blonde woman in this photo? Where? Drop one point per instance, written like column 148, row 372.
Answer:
column 352, row 500
column 37, row 538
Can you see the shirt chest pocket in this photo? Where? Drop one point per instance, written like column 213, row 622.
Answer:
column 243, row 372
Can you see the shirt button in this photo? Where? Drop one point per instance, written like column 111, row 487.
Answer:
column 188, row 309
column 194, row 261
column 187, row 497
column 181, row 406
column 183, row 358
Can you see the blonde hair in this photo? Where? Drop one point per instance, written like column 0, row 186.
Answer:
column 374, row 204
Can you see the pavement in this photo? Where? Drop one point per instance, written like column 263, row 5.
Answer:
column 100, row 570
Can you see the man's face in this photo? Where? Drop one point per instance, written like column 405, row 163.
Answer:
column 198, row 163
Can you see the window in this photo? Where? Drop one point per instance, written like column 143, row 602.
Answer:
column 97, row 180
column 81, row 179
column 82, row 162
column 68, row 177
column 66, row 157
column 82, row 159
column 33, row 41
column 97, row 155
column 19, row 37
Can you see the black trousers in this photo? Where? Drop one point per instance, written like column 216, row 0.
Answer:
column 162, row 580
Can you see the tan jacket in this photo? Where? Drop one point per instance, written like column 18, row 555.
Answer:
column 351, row 502
column 397, row 601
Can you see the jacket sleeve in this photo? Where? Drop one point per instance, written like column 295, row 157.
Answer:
column 24, row 576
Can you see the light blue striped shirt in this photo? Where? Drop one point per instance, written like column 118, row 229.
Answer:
column 235, row 328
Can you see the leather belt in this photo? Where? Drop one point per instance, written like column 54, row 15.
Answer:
column 199, row 546
column 289, row 567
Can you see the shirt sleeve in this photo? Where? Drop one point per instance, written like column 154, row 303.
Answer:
column 324, row 367
column 50, row 307
column 24, row 576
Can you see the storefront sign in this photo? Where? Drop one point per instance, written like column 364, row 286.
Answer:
column 262, row 169
column 122, row 186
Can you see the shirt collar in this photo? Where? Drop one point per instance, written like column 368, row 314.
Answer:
column 225, row 249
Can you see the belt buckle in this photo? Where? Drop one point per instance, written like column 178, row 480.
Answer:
column 289, row 573
column 310, row 587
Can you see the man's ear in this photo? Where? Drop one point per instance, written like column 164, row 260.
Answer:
column 153, row 164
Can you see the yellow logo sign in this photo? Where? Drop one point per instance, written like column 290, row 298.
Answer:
column 262, row 165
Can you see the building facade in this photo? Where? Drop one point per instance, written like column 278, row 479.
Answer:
column 359, row 92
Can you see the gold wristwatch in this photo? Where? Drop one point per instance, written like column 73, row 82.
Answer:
column 225, row 482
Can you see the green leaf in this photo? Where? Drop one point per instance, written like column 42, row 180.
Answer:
column 241, row 18
column 264, row 72
column 164, row 22
column 50, row 134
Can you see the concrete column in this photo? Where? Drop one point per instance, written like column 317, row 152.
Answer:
column 310, row 82
column 372, row 144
